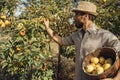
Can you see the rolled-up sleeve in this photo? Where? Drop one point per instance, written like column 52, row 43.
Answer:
column 113, row 41
column 68, row 40
column 116, row 44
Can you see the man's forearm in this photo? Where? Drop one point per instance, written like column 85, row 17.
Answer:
column 117, row 77
column 55, row 36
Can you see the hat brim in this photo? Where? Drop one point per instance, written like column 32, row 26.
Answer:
column 77, row 10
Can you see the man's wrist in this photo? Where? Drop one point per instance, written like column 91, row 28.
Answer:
column 117, row 77
column 51, row 32
column 46, row 27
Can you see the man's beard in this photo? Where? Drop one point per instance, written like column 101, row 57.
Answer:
column 78, row 24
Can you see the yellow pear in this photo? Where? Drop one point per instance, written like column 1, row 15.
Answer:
column 47, row 40
column 23, row 32
column 109, row 60
column 3, row 25
column 102, row 60
column 97, row 65
column 3, row 17
column 99, row 70
column 1, row 22
column 7, row 22
column 92, row 64
column 106, row 66
column 94, row 60
column 105, row 1
column 89, row 68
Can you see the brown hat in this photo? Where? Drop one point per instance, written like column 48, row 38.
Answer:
column 88, row 7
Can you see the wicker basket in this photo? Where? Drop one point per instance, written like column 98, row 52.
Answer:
column 106, row 53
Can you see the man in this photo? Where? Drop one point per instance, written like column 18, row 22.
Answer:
column 87, row 39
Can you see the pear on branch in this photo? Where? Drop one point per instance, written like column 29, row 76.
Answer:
column 7, row 23
column 3, row 17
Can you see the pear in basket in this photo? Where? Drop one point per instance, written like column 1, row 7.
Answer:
column 89, row 68
column 101, row 60
column 99, row 70
column 94, row 60
column 109, row 60
column 106, row 66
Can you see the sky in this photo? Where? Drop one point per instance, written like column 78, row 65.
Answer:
column 19, row 9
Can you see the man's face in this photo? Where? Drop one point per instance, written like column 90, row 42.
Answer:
column 79, row 21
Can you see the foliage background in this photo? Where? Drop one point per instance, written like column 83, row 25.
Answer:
column 25, row 51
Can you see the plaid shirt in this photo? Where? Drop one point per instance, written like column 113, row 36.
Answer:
column 87, row 42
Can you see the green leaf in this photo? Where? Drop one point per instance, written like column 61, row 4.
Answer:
column 49, row 73
column 34, row 49
column 4, row 64
column 42, row 56
column 19, row 38
column 45, row 78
